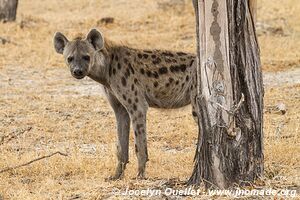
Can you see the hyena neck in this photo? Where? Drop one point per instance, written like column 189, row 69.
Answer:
column 105, row 60
column 101, row 64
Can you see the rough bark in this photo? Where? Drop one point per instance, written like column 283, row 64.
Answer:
column 230, row 95
column 8, row 10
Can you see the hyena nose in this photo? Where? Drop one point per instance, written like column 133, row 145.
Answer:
column 78, row 72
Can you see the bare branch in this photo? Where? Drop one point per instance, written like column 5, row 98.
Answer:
column 32, row 161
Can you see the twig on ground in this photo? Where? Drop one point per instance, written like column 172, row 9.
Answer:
column 13, row 135
column 32, row 161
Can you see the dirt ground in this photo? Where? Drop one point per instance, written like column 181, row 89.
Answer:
column 44, row 110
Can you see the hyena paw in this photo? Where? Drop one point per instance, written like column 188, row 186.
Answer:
column 114, row 177
column 141, row 175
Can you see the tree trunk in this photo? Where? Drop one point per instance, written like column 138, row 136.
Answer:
column 8, row 10
column 229, row 101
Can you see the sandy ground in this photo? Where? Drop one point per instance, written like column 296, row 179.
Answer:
column 288, row 77
column 44, row 110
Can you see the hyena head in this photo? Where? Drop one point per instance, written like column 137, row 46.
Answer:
column 79, row 53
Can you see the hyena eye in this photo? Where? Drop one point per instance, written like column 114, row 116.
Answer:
column 86, row 58
column 70, row 59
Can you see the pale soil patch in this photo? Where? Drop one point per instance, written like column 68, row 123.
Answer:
column 289, row 77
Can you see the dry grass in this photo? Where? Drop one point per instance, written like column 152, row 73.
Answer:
column 43, row 109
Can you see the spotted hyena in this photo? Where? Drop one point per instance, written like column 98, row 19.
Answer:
column 133, row 80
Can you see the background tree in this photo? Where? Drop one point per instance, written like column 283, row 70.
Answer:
column 8, row 10
column 229, row 99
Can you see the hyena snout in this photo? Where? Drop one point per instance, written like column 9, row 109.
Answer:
column 78, row 73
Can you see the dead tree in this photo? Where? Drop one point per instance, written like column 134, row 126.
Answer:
column 229, row 100
column 8, row 10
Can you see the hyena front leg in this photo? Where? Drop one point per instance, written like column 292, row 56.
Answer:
column 123, row 127
column 138, row 118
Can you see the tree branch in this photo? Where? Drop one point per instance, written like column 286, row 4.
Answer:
column 32, row 161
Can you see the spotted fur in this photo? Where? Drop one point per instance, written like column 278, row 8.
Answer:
column 134, row 80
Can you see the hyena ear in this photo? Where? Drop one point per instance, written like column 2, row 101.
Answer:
column 96, row 39
column 60, row 41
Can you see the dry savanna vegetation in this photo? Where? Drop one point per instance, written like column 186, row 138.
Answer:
column 44, row 110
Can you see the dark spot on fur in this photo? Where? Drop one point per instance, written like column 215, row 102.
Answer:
column 132, row 87
column 163, row 70
column 140, row 56
column 187, row 78
column 128, row 53
column 145, row 56
column 129, row 101
column 182, row 85
column 139, row 126
column 124, row 97
column 114, row 71
column 153, row 56
column 135, row 93
column 147, row 51
column 112, row 56
column 177, row 68
column 119, row 66
column 135, row 133
column 171, row 79
column 136, row 100
column 177, row 82
column 131, row 68
column 134, row 107
column 155, row 74
column 182, row 59
column 127, row 73
column 135, row 81
column 168, row 54
column 110, row 71
column 181, row 54
column 168, row 60
column 191, row 63
column 174, row 68
column 167, row 84
column 142, row 71
column 149, row 74
column 116, row 58
column 194, row 114
column 156, row 61
column 136, row 148
column 125, row 60
column 123, row 80
column 183, row 67
column 155, row 84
